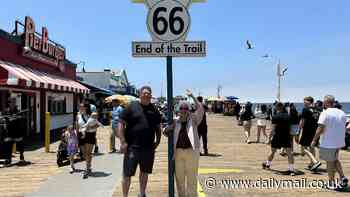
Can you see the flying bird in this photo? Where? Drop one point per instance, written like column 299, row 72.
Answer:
column 284, row 70
column 249, row 45
column 265, row 56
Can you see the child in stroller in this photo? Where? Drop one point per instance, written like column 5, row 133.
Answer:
column 62, row 153
column 68, row 147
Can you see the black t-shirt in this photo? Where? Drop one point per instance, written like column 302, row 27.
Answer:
column 247, row 115
column 204, row 120
column 141, row 124
column 310, row 117
column 283, row 123
column 294, row 116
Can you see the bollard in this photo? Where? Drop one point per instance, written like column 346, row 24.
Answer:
column 110, row 141
column 109, row 116
column 14, row 149
column 47, row 131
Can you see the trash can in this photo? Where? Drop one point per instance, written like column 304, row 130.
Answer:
column 6, row 142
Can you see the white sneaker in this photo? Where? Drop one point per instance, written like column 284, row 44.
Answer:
column 72, row 170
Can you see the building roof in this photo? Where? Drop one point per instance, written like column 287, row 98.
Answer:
column 116, row 74
column 95, row 89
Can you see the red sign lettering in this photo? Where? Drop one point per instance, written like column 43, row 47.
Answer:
column 41, row 46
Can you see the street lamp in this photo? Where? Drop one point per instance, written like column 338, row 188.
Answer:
column 280, row 74
column 83, row 65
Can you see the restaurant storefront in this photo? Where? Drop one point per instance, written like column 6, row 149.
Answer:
column 35, row 74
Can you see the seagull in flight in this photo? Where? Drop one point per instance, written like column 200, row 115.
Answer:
column 249, row 45
column 284, row 71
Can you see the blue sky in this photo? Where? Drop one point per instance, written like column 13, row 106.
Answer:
column 312, row 38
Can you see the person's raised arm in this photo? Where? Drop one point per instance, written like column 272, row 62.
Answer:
column 199, row 113
column 190, row 94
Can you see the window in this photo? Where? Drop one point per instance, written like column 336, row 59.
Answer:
column 57, row 106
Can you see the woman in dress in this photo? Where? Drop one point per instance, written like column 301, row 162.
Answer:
column 261, row 116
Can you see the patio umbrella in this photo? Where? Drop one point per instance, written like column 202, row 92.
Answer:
column 232, row 98
column 115, row 97
column 130, row 98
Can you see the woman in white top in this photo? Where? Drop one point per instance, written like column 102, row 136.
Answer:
column 186, row 146
column 87, row 136
column 261, row 116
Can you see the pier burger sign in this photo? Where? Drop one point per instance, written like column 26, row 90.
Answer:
column 41, row 48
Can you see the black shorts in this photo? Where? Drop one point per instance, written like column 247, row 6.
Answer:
column 90, row 138
column 279, row 141
column 81, row 141
column 134, row 157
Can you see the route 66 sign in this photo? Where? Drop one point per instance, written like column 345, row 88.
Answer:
column 168, row 20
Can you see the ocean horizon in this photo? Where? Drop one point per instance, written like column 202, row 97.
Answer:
column 300, row 106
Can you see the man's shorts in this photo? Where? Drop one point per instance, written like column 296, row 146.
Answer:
column 329, row 154
column 135, row 157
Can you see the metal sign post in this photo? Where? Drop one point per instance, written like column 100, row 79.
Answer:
column 168, row 22
column 171, row 162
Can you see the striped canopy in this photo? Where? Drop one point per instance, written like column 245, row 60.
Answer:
column 17, row 75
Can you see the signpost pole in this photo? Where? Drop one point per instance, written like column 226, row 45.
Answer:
column 171, row 163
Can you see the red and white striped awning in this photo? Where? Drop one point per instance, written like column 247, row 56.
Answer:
column 14, row 74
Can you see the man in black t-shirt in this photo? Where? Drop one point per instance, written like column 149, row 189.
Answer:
column 139, row 125
column 308, row 126
column 203, row 128
column 281, row 138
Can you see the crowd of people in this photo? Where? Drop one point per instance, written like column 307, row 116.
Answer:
column 137, row 127
column 320, row 124
column 136, row 130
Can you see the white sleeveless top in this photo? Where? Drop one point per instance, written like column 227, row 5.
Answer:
column 81, row 122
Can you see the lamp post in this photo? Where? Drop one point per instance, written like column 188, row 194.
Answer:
column 83, row 65
column 280, row 74
column 219, row 89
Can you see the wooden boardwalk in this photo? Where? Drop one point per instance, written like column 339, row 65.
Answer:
column 232, row 159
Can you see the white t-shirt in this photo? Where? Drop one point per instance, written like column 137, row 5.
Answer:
column 334, row 134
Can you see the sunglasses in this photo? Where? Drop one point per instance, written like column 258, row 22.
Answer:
column 184, row 108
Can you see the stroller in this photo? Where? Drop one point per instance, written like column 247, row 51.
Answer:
column 62, row 153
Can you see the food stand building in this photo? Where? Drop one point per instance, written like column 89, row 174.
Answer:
column 35, row 73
